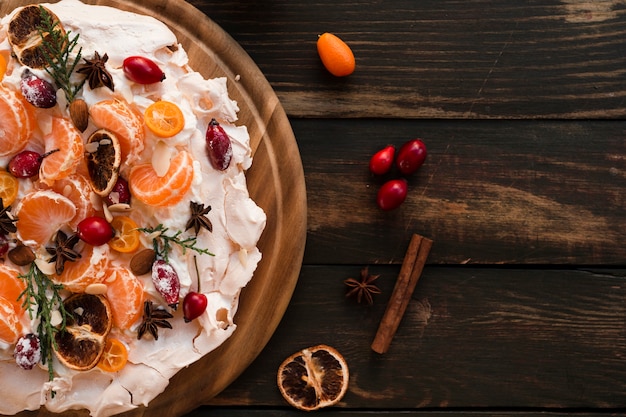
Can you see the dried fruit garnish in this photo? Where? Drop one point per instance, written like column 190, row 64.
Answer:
column 198, row 217
column 364, row 289
column 153, row 318
column 95, row 71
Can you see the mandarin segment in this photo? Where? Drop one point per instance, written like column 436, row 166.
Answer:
column 118, row 117
column 41, row 213
column 67, row 144
column 89, row 269
column 11, row 286
column 313, row 378
column 78, row 190
column 125, row 295
column 146, row 185
column 10, row 326
column 17, row 123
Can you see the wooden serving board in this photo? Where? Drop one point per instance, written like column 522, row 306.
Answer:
column 276, row 183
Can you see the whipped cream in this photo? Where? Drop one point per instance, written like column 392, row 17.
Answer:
column 237, row 221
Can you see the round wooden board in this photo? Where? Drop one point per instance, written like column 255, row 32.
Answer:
column 276, row 183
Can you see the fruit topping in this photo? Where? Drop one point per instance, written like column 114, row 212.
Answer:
column 194, row 304
column 114, row 357
column 18, row 122
column 9, row 187
column 96, row 73
column 26, row 37
column 27, row 351
column 164, row 118
column 313, row 378
column 95, row 231
column 336, row 55
column 218, row 146
column 142, row 70
column 81, row 344
column 120, row 193
column 26, row 164
column 103, row 155
column 37, row 91
column 166, row 282
column 127, row 234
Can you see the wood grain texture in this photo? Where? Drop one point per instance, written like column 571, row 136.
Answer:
column 498, row 192
column 472, row 338
column 439, row 59
column 275, row 182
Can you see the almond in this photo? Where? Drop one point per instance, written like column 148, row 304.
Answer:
column 142, row 262
column 79, row 112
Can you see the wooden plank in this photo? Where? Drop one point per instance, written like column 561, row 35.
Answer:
column 472, row 337
column 441, row 59
column 507, row 192
column 210, row 411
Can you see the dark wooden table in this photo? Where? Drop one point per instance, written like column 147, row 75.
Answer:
column 522, row 305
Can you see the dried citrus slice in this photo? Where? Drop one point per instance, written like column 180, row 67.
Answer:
column 125, row 295
column 9, row 187
column 104, row 156
column 313, row 378
column 164, row 118
column 127, row 236
column 24, row 35
column 81, row 344
column 114, row 357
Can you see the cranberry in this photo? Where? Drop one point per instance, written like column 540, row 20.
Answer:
column 95, row 231
column 27, row 351
column 166, row 282
column 4, row 245
column 218, row 146
column 381, row 161
column 411, row 156
column 392, row 194
column 38, row 92
column 120, row 193
column 26, row 164
column 142, row 70
column 194, row 304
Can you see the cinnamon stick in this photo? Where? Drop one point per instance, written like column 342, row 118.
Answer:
column 410, row 273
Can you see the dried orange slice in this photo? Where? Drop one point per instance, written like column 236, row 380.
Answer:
column 127, row 236
column 81, row 344
column 9, row 186
column 104, row 156
column 164, row 119
column 24, row 34
column 313, row 378
column 114, row 357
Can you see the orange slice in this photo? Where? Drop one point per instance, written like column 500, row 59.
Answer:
column 81, row 344
column 18, row 122
column 126, row 296
column 41, row 213
column 62, row 163
column 103, row 161
column 10, row 326
column 9, row 186
column 126, row 123
column 146, row 185
column 164, row 119
column 127, row 236
column 114, row 357
column 313, row 378
column 11, row 286
column 89, row 269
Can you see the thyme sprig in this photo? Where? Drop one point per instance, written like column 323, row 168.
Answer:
column 57, row 48
column 45, row 295
column 162, row 242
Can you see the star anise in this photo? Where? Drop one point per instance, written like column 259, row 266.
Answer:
column 63, row 250
column 96, row 72
column 7, row 220
column 363, row 289
column 153, row 318
column 198, row 219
